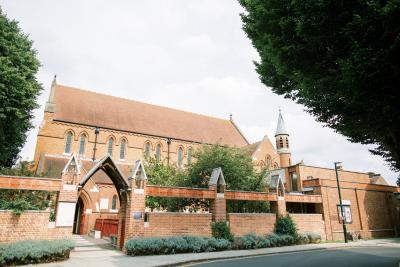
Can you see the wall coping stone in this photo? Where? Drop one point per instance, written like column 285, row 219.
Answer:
column 252, row 214
column 180, row 213
column 27, row 211
column 32, row 178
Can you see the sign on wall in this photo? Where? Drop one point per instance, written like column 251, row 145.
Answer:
column 137, row 215
column 104, row 204
column 65, row 213
column 345, row 214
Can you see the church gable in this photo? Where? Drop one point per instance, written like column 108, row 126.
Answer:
column 264, row 154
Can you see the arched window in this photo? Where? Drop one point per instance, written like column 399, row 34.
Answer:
column 287, row 142
column 68, row 143
column 110, row 146
column 82, row 144
column 158, row 152
column 269, row 161
column 180, row 156
column 280, row 142
column 122, row 149
column 114, row 202
column 147, row 148
column 189, row 155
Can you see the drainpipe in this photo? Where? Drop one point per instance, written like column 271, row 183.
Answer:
column 96, row 132
column 168, row 149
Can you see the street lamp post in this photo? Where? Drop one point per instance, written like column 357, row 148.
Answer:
column 337, row 165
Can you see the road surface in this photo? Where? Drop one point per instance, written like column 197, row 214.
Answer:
column 348, row 257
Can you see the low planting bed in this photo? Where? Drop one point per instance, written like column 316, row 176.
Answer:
column 33, row 252
column 173, row 245
column 193, row 244
column 252, row 241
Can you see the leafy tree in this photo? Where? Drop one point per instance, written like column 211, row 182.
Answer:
column 340, row 59
column 238, row 170
column 19, row 88
column 23, row 168
column 159, row 173
column 236, row 164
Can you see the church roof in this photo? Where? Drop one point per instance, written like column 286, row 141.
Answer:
column 104, row 111
column 281, row 128
column 252, row 147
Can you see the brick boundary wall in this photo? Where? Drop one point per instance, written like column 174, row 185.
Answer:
column 245, row 223
column 162, row 224
column 30, row 225
column 312, row 223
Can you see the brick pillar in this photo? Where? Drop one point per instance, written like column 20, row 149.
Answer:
column 134, row 214
column 218, row 205
column 122, row 220
column 281, row 209
column 326, row 213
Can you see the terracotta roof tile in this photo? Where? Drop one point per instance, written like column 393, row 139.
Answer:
column 89, row 108
column 252, row 147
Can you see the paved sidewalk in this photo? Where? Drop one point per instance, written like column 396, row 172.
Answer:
column 91, row 254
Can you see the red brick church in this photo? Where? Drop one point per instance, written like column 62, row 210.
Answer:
column 92, row 146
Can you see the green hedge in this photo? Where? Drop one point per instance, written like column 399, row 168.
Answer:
column 32, row 252
column 172, row 245
column 252, row 241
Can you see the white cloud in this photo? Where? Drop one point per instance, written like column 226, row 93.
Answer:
column 191, row 55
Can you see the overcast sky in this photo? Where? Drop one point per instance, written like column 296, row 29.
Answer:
column 190, row 55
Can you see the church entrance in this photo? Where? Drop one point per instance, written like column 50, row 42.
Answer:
column 79, row 218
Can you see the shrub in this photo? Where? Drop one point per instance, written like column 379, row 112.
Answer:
column 286, row 240
column 302, row 239
column 263, row 242
column 286, row 226
column 237, row 243
column 33, row 252
column 172, row 245
column 249, row 241
column 274, row 240
column 314, row 238
column 221, row 230
column 215, row 244
column 252, row 241
column 196, row 244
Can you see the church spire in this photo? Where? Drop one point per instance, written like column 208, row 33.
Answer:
column 50, row 102
column 282, row 142
column 281, row 128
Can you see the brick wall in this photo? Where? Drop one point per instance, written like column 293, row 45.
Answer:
column 258, row 223
column 312, row 223
column 30, row 225
column 370, row 211
column 178, row 224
